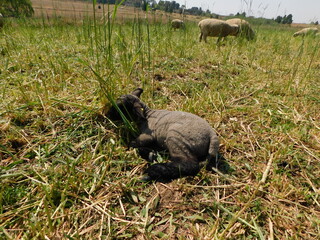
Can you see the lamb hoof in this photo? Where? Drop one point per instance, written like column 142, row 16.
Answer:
column 145, row 178
column 159, row 172
column 133, row 144
column 152, row 157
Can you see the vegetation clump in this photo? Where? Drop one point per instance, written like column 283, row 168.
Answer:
column 16, row 8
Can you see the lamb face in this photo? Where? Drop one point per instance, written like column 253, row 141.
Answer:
column 188, row 138
column 129, row 105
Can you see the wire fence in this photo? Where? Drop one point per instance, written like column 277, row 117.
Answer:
column 123, row 14
column 78, row 10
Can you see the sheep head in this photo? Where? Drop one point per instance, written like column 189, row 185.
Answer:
column 296, row 34
column 130, row 106
column 235, row 29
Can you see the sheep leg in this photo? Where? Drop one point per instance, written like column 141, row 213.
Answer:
column 147, row 153
column 143, row 140
column 205, row 38
column 183, row 163
column 219, row 40
column 173, row 170
column 151, row 154
column 200, row 37
column 146, row 146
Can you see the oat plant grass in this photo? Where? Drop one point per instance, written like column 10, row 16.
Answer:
column 67, row 173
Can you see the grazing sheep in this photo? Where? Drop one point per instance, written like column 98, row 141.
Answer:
column 189, row 139
column 244, row 28
column 177, row 24
column 306, row 31
column 216, row 28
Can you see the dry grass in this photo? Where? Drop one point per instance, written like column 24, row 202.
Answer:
column 78, row 10
column 66, row 172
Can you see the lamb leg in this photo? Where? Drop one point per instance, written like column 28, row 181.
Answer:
column 172, row 170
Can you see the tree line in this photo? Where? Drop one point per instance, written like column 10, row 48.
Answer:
column 166, row 6
column 17, row 8
column 286, row 19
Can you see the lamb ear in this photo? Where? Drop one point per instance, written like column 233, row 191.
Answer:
column 137, row 92
column 139, row 110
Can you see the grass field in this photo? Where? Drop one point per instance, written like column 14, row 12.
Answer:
column 77, row 10
column 67, row 173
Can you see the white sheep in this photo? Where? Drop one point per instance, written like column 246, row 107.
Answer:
column 216, row 28
column 306, row 31
column 177, row 23
column 245, row 29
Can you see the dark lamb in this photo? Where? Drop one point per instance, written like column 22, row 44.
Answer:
column 188, row 138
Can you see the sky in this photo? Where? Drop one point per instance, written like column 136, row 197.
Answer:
column 303, row 11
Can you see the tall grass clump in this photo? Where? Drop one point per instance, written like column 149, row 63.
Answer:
column 100, row 35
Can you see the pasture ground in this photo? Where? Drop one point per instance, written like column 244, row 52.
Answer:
column 67, row 173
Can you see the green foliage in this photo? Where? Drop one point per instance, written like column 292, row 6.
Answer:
column 243, row 14
column 16, row 8
column 168, row 6
column 106, row 1
column 144, row 5
column 286, row 19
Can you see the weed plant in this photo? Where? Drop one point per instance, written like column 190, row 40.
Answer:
column 67, row 173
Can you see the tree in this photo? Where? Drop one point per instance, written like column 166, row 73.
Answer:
column 285, row 19
column 144, row 5
column 289, row 19
column 278, row 19
column 107, row 1
column 243, row 14
column 148, row 3
column 16, row 8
